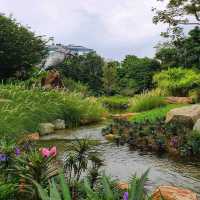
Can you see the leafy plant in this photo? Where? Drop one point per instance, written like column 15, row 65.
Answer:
column 177, row 81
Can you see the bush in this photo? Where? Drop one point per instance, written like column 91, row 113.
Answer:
column 26, row 108
column 115, row 102
column 177, row 81
column 146, row 101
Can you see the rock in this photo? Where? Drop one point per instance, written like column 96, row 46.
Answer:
column 33, row 136
column 46, row 128
column 186, row 115
column 197, row 125
column 179, row 100
column 59, row 124
column 52, row 80
column 110, row 137
column 173, row 193
column 124, row 116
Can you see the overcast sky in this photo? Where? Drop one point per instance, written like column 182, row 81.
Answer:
column 114, row 28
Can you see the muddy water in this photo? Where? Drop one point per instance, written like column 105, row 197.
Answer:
column 121, row 163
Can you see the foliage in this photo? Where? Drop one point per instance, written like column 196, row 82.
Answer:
column 27, row 108
column 54, row 192
column 154, row 114
column 176, row 14
column 110, row 77
column 177, row 81
column 74, row 86
column 136, row 73
column 184, row 52
column 146, row 101
column 193, row 142
column 77, row 160
column 195, row 95
column 20, row 48
column 88, row 69
column 32, row 166
column 115, row 102
column 136, row 190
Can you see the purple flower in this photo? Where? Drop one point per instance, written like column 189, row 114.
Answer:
column 3, row 158
column 125, row 196
column 17, row 151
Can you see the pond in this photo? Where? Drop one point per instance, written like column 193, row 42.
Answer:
column 120, row 162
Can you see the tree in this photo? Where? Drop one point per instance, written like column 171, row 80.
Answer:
column 184, row 53
column 177, row 81
column 176, row 14
column 87, row 69
column 110, row 77
column 137, row 73
column 20, row 48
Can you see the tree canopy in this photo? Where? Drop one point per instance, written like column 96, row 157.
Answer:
column 137, row 73
column 176, row 14
column 185, row 52
column 20, row 49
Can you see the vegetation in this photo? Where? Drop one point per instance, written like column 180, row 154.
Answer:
column 115, row 103
column 176, row 14
column 184, row 52
column 20, row 49
column 31, row 172
column 87, row 69
column 23, row 109
column 177, row 81
column 136, row 73
column 146, row 101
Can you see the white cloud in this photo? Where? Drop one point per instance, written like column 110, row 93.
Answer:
column 112, row 27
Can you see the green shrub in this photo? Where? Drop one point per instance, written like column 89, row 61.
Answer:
column 74, row 86
column 155, row 114
column 115, row 102
column 27, row 108
column 146, row 101
column 177, row 81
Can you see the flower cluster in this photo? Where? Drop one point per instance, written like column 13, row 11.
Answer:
column 46, row 152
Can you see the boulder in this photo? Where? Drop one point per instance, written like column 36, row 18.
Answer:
column 33, row 136
column 197, row 126
column 173, row 193
column 179, row 100
column 46, row 128
column 110, row 137
column 59, row 124
column 186, row 115
column 52, row 80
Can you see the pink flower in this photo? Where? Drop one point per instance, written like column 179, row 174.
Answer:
column 46, row 152
column 53, row 151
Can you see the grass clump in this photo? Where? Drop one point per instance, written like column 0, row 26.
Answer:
column 146, row 101
column 154, row 114
column 115, row 102
column 27, row 108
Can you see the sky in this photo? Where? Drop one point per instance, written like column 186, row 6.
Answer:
column 113, row 28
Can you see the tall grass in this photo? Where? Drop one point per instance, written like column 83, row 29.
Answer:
column 115, row 103
column 147, row 101
column 27, row 108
